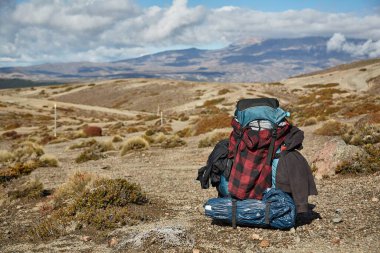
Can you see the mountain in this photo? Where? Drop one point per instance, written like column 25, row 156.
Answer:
column 264, row 61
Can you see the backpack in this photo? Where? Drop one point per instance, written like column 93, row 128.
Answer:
column 253, row 147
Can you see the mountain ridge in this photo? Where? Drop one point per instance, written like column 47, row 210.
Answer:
column 260, row 61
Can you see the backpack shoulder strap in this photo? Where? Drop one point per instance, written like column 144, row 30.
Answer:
column 271, row 146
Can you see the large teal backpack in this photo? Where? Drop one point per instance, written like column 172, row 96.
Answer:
column 257, row 109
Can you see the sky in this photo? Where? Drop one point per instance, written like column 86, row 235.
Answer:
column 49, row 31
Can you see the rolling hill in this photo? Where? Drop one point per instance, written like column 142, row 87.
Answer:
column 264, row 61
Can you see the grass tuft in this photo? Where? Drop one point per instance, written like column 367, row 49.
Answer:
column 211, row 141
column 48, row 160
column 133, row 144
column 332, row 128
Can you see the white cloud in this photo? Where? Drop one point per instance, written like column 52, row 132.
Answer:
column 37, row 31
column 338, row 43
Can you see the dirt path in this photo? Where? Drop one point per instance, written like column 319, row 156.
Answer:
column 39, row 103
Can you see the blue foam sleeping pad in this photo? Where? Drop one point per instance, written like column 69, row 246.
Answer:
column 252, row 212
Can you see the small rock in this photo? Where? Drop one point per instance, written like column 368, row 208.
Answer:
column 7, row 232
column 85, row 238
column 112, row 242
column 292, row 231
column 107, row 167
column 298, row 239
column 336, row 240
column 196, row 251
column 264, row 243
column 18, row 207
column 374, row 199
column 256, row 237
column 337, row 219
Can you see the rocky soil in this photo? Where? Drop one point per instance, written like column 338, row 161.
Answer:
column 345, row 215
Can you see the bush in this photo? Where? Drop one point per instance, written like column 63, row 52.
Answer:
column 73, row 187
column 211, row 141
column 134, row 143
column 362, row 134
column 100, row 204
column 367, row 164
column 6, row 156
column 186, row 132
column 92, row 153
column 83, row 144
column 209, row 123
column 172, row 142
column 48, row 160
column 29, row 190
column 310, row 121
column 213, row 102
column 332, row 128
column 117, row 138
column 28, row 150
column 223, row 91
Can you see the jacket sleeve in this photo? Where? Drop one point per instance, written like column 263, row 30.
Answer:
column 294, row 176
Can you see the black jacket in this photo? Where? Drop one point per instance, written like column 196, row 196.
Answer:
column 293, row 171
column 217, row 163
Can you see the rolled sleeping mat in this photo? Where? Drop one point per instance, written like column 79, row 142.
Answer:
column 276, row 210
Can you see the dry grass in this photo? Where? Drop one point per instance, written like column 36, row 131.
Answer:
column 6, row 156
column 319, row 86
column 186, row 132
column 332, row 128
column 83, row 144
column 211, row 141
column 117, row 138
column 310, row 121
column 209, row 123
column 96, row 203
column 223, row 91
column 33, row 189
column 48, row 160
column 213, row 102
column 368, row 164
column 172, row 142
column 133, row 144
column 362, row 134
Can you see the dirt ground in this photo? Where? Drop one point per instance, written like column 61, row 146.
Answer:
column 345, row 217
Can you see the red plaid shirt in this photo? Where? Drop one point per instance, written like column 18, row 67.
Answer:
column 250, row 173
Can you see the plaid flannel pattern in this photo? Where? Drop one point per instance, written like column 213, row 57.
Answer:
column 250, row 173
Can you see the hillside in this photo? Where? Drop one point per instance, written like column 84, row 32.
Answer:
column 258, row 61
column 70, row 198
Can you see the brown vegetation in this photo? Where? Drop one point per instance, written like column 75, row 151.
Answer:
column 209, row 123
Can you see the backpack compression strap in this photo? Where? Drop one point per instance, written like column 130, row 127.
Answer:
column 271, row 146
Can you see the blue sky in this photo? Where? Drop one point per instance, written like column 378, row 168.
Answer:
column 41, row 31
